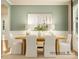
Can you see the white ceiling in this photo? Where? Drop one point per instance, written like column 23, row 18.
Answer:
column 39, row 2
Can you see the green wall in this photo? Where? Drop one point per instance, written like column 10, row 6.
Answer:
column 19, row 15
column 75, row 2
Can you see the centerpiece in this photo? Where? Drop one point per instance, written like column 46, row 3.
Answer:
column 41, row 27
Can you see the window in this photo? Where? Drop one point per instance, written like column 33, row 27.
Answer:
column 39, row 21
column 75, row 19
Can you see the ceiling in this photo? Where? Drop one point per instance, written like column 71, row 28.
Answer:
column 39, row 2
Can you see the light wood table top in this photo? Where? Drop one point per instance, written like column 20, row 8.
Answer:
column 60, row 37
column 24, row 37
column 20, row 37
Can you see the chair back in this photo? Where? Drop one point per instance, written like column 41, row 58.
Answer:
column 9, row 36
column 69, row 38
column 31, row 46
column 49, row 49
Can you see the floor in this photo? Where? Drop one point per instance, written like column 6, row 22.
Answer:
column 24, row 57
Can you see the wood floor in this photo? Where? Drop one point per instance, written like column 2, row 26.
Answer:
column 24, row 57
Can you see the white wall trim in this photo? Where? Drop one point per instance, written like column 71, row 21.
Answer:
column 39, row 2
column 57, row 33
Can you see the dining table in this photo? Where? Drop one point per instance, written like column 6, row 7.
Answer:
column 39, row 39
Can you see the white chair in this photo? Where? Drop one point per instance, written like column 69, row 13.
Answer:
column 31, row 47
column 49, row 48
column 13, row 44
column 65, row 46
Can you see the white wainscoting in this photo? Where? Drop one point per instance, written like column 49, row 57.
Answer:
column 57, row 33
column 15, row 33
